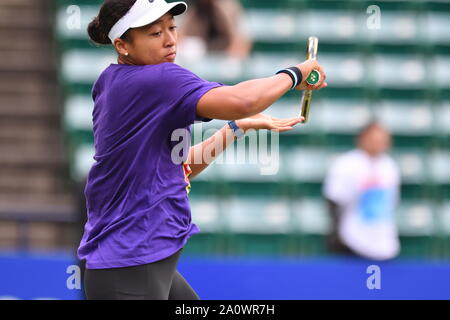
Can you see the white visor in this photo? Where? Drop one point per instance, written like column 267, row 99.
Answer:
column 144, row 12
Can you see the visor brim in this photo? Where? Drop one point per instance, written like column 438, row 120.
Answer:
column 175, row 8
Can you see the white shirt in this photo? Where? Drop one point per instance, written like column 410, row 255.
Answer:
column 366, row 190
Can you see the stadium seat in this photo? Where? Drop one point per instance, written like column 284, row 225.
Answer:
column 444, row 218
column 206, row 213
column 306, row 164
column 440, row 65
column 309, row 216
column 399, row 71
column 396, row 27
column 78, row 112
column 272, row 25
column 416, row 218
column 84, row 66
column 335, row 26
column 412, row 164
column 439, row 161
column 436, row 26
column 442, row 118
column 403, row 117
column 257, row 215
column 82, row 162
column 347, row 70
column 341, row 115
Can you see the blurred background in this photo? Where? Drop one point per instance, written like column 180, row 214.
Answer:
column 265, row 235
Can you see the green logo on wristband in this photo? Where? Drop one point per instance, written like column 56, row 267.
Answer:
column 313, row 77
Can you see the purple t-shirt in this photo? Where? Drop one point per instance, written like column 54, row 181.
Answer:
column 137, row 203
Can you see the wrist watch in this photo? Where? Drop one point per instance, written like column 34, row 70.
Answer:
column 238, row 132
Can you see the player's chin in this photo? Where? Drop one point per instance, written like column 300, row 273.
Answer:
column 170, row 58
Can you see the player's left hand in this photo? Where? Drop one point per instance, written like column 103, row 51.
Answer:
column 262, row 121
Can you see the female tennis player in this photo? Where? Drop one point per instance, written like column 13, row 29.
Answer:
column 139, row 217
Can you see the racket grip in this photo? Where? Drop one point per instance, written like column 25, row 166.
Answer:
column 313, row 78
column 306, row 102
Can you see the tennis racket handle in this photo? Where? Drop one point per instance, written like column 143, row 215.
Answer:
column 306, row 102
column 313, row 77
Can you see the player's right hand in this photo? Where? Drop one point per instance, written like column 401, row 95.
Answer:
column 306, row 67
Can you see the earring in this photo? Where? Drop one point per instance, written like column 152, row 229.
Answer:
column 126, row 54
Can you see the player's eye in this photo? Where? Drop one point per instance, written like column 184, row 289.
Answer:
column 156, row 34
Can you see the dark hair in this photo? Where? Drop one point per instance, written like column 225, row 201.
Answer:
column 110, row 12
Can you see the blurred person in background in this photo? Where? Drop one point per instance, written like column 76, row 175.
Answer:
column 214, row 26
column 362, row 190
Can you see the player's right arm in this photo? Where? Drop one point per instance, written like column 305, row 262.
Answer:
column 248, row 98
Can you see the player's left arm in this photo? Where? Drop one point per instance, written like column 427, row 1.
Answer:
column 203, row 154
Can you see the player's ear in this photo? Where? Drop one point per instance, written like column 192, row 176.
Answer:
column 121, row 47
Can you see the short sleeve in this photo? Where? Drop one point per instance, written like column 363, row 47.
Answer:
column 182, row 90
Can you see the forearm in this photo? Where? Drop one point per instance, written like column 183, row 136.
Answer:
column 263, row 92
column 251, row 97
column 203, row 154
column 243, row 99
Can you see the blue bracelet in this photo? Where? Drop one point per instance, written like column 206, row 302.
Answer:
column 238, row 132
